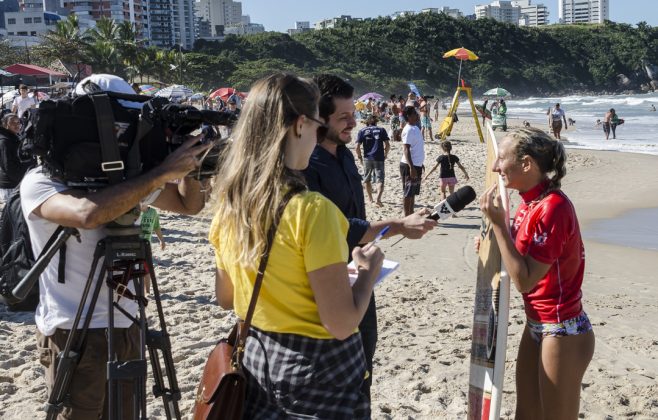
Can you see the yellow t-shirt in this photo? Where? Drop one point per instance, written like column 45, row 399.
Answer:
column 311, row 234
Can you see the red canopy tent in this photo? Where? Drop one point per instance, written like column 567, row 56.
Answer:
column 39, row 73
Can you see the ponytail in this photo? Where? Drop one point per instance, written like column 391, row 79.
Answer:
column 549, row 154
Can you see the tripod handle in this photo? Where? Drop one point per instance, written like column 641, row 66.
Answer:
column 22, row 289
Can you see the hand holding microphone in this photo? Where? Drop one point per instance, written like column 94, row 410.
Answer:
column 454, row 204
column 446, row 208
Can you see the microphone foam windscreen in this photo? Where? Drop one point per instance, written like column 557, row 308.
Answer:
column 461, row 198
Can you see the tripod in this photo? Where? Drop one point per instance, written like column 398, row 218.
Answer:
column 126, row 258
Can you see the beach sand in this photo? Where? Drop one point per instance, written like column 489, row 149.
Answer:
column 425, row 308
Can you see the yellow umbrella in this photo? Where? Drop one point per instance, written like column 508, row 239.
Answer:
column 461, row 54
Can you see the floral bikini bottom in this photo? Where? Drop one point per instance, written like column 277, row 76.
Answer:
column 577, row 325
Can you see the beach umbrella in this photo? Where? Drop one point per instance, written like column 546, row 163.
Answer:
column 197, row 97
column 373, row 96
column 225, row 92
column 462, row 54
column 148, row 89
column 175, row 92
column 500, row 92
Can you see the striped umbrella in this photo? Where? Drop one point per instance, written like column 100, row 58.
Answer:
column 148, row 89
column 175, row 92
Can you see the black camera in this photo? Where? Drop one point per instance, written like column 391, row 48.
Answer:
column 71, row 136
column 428, row 97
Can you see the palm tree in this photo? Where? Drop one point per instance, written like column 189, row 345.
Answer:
column 66, row 40
column 128, row 47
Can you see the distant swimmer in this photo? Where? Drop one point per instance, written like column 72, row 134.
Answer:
column 652, row 108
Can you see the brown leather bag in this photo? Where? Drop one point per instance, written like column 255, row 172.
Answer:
column 221, row 393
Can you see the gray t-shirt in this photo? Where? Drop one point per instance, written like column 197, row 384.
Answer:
column 59, row 302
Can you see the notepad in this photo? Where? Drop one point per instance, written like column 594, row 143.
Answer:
column 387, row 268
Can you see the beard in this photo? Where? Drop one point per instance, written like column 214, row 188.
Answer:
column 333, row 136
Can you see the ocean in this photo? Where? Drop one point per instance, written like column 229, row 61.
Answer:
column 638, row 134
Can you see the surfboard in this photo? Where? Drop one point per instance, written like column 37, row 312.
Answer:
column 483, row 111
column 491, row 311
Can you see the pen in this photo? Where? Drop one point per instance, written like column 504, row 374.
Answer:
column 379, row 236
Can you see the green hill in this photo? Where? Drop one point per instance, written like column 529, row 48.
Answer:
column 383, row 54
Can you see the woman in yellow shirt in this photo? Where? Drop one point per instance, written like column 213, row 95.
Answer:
column 304, row 356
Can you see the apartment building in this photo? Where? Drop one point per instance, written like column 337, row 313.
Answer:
column 583, row 11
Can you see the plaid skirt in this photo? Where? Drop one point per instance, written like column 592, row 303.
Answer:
column 292, row 376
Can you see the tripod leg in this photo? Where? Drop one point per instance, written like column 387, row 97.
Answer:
column 68, row 358
column 158, row 343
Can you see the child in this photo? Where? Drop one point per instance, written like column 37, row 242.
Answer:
column 447, row 172
column 150, row 223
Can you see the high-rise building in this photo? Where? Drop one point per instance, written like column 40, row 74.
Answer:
column 133, row 11
column 532, row 14
column 502, row 11
column 171, row 23
column 219, row 14
column 583, row 11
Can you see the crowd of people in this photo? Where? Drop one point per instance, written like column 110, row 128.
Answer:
column 312, row 341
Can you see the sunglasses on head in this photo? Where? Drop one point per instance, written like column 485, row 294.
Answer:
column 323, row 129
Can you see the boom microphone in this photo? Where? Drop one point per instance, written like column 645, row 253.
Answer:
column 454, row 204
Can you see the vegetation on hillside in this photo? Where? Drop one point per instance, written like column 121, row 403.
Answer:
column 378, row 54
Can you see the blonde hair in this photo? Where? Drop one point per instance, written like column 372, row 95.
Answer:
column 252, row 178
column 547, row 152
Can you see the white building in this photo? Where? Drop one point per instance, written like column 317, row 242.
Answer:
column 532, row 14
column 244, row 29
column 331, row 23
column 502, row 11
column 220, row 14
column 25, row 28
column 583, row 11
column 455, row 13
column 300, row 26
column 402, row 13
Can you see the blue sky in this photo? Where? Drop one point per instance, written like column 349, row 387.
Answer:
column 279, row 15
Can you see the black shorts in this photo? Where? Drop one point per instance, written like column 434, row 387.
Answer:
column 410, row 187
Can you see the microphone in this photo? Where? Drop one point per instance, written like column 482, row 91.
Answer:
column 454, row 204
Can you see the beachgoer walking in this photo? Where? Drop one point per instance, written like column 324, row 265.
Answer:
column 425, row 120
column 12, row 169
column 304, row 356
column 447, row 162
column 544, row 255
column 556, row 116
column 435, row 107
column 484, row 111
column 395, row 119
column 332, row 172
column 376, row 145
column 411, row 164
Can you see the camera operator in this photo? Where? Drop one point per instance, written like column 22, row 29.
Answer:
column 47, row 203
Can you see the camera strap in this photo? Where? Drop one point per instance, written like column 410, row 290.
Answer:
column 111, row 162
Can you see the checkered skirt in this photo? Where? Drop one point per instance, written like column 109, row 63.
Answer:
column 292, row 376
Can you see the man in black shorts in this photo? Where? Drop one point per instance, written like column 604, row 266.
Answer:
column 413, row 157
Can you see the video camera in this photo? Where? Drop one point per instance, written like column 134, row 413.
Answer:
column 93, row 140
column 428, row 96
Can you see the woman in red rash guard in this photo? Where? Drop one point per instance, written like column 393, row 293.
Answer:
column 544, row 255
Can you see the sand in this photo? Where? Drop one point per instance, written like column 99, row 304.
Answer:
column 425, row 308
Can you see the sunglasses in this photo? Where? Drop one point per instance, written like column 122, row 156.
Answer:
column 323, row 128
